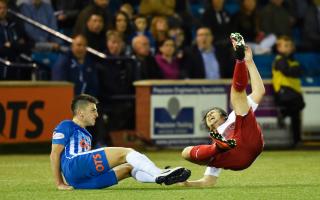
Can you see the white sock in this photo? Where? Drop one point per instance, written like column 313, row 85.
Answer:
column 142, row 163
column 142, row 176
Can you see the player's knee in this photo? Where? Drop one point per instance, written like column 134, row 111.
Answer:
column 128, row 168
column 125, row 152
column 186, row 152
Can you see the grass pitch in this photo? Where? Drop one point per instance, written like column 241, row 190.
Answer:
column 274, row 175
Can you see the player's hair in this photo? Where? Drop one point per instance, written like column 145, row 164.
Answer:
column 80, row 100
column 222, row 113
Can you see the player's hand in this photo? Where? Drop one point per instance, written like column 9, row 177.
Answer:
column 184, row 184
column 64, row 187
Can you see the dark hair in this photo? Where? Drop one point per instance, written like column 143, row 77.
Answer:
column 140, row 16
column 80, row 100
column 161, row 43
column 74, row 36
column 222, row 113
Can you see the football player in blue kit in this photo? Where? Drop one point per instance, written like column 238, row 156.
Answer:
column 82, row 168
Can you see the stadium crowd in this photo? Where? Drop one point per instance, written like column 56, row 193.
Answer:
column 145, row 39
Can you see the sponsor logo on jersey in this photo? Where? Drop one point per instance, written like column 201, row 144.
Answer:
column 57, row 136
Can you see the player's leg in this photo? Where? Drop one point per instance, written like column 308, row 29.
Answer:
column 106, row 179
column 119, row 155
column 201, row 154
column 122, row 171
column 238, row 94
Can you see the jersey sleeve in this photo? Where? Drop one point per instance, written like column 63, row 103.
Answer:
column 252, row 104
column 212, row 171
column 61, row 133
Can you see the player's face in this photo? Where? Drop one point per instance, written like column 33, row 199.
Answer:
column 213, row 119
column 89, row 114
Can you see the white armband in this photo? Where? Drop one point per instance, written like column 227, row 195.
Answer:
column 212, row 171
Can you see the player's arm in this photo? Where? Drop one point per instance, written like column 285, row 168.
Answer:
column 209, row 178
column 257, row 85
column 205, row 181
column 56, row 151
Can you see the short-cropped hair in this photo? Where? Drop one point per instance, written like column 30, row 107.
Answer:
column 82, row 99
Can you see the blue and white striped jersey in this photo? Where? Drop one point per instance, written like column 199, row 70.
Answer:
column 75, row 139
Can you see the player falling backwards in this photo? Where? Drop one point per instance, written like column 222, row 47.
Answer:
column 84, row 168
column 237, row 137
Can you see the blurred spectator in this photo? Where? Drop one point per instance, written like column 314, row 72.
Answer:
column 311, row 28
column 157, row 7
column 12, row 37
column 298, row 10
column 275, row 18
column 141, row 28
column 43, row 13
column 121, row 23
column 159, row 30
column 116, row 77
column 204, row 60
column 13, row 45
column 128, row 9
column 246, row 22
column 286, row 73
column 219, row 21
column 97, row 6
column 146, row 65
column 66, row 13
column 77, row 67
column 167, row 61
column 186, row 22
column 12, row 4
column 177, row 34
column 114, row 43
column 94, row 31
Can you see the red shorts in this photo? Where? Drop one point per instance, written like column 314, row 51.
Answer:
column 249, row 145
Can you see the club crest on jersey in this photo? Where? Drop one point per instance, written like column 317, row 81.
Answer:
column 84, row 144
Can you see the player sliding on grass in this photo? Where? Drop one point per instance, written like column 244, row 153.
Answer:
column 237, row 138
column 84, row 168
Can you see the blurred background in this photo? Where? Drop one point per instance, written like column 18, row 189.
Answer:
column 156, row 67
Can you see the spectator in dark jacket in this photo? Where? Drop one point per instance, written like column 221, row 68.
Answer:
column 66, row 12
column 311, row 28
column 77, row 67
column 94, row 31
column 146, row 65
column 116, row 77
column 204, row 60
column 12, row 37
column 98, row 6
column 276, row 19
column 219, row 21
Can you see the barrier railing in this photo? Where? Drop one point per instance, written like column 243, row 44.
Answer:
column 53, row 32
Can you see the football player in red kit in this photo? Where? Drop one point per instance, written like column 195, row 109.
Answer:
column 237, row 137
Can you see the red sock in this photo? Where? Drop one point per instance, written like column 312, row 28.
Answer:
column 240, row 76
column 203, row 152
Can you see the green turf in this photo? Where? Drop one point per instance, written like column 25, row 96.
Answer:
column 274, row 175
